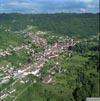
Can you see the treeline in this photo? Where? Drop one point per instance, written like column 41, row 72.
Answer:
column 88, row 76
column 81, row 25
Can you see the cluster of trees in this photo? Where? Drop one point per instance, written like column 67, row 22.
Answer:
column 89, row 77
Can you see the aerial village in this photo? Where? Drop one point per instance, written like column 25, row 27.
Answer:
column 41, row 58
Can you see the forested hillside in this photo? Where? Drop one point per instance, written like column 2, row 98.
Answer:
column 81, row 25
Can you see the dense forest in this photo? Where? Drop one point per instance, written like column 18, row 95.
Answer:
column 81, row 25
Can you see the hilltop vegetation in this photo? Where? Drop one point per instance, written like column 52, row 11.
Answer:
column 81, row 25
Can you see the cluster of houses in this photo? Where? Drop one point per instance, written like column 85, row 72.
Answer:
column 4, row 94
column 4, row 53
column 41, row 59
column 48, row 80
column 41, row 42
column 10, row 50
column 53, row 50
